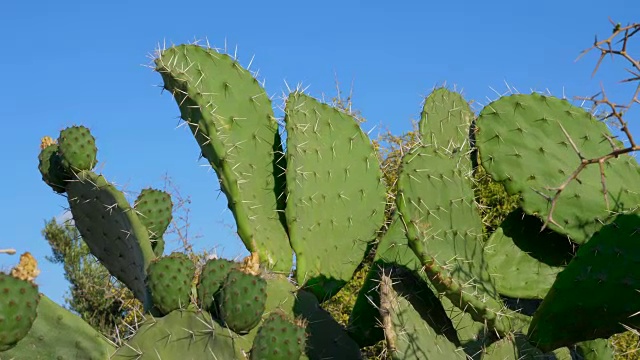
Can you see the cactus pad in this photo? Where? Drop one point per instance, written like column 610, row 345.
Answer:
column 169, row 279
column 57, row 333
column 597, row 293
column 527, row 143
column 445, row 120
column 232, row 120
column 77, row 149
column 18, row 305
column 408, row 335
column 279, row 339
column 183, row 334
column 524, row 260
column 111, row 229
column 436, row 202
column 332, row 165
column 243, row 300
column 212, row 277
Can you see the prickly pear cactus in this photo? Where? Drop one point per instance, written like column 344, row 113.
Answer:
column 438, row 289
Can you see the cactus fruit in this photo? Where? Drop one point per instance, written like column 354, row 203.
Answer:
column 154, row 209
column 232, row 120
column 213, row 274
column 596, row 295
column 169, row 280
column 279, row 339
column 332, row 165
column 242, row 300
column 18, row 303
column 77, row 149
column 530, row 143
column 50, row 165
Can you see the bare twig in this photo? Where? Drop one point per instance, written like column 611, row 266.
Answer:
column 614, row 45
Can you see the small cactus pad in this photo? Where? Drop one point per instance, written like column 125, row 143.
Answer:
column 213, row 274
column 243, row 300
column 232, row 120
column 154, row 208
column 18, row 304
column 169, row 279
column 514, row 347
column 596, row 295
column 77, row 149
column 279, row 339
column 50, row 166
column 525, row 260
column 409, row 336
column 332, row 165
column 111, row 229
column 445, row 120
column 529, row 142
column 598, row 349
column 57, row 333
column 183, row 334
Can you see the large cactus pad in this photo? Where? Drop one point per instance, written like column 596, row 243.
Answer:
column 529, row 143
column 597, row 294
column 336, row 195
column 111, row 229
column 232, row 120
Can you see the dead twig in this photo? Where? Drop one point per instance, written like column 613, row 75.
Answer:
column 615, row 45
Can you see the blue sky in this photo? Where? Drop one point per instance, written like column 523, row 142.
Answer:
column 80, row 62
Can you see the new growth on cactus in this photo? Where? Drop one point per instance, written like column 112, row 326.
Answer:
column 438, row 288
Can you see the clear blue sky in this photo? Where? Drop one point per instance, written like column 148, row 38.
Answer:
column 71, row 62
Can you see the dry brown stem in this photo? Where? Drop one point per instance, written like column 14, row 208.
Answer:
column 616, row 45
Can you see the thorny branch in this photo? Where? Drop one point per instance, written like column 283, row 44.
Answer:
column 615, row 45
